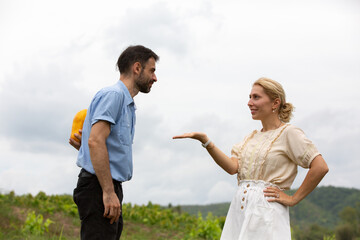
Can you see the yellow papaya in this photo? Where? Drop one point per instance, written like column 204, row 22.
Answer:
column 78, row 123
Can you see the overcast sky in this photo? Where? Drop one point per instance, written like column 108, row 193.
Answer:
column 55, row 55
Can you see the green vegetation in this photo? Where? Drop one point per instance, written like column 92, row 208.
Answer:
column 328, row 213
column 38, row 217
column 321, row 207
column 218, row 209
column 182, row 225
column 55, row 217
column 35, row 225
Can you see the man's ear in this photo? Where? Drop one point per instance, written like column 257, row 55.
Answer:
column 136, row 68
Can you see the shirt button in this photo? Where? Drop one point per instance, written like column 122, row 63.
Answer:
column 245, row 191
column 243, row 199
column 242, row 207
column 248, row 185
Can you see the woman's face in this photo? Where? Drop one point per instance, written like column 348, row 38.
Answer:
column 260, row 104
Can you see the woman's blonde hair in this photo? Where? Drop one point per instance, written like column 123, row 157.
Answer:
column 274, row 90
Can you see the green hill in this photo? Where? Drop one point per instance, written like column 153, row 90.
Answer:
column 321, row 207
column 217, row 209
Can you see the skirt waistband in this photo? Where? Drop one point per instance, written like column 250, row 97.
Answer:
column 257, row 183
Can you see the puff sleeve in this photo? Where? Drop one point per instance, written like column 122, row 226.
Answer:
column 299, row 148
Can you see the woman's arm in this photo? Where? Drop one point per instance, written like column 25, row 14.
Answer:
column 318, row 169
column 230, row 165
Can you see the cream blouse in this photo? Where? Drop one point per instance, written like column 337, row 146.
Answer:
column 273, row 156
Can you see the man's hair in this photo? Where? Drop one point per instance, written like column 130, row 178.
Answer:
column 134, row 54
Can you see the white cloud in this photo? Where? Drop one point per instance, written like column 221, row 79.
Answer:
column 34, row 171
column 37, row 103
column 55, row 56
column 221, row 192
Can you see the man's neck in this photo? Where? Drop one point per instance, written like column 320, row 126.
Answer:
column 130, row 85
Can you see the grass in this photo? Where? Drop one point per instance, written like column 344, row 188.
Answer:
column 68, row 228
column 65, row 226
column 138, row 231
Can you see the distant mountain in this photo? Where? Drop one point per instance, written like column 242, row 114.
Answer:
column 322, row 206
column 217, row 209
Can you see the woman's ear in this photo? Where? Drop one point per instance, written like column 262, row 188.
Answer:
column 276, row 103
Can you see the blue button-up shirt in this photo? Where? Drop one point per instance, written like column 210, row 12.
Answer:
column 115, row 105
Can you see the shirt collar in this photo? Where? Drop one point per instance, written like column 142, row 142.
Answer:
column 128, row 99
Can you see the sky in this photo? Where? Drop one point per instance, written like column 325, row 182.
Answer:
column 55, row 55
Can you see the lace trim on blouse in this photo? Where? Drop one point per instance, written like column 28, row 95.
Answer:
column 267, row 152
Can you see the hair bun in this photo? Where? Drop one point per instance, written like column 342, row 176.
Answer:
column 285, row 112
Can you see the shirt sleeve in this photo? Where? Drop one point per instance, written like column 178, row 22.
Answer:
column 235, row 151
column 299, row 148
column 106, row 106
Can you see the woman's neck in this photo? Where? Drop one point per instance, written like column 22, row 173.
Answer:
column 271, row 124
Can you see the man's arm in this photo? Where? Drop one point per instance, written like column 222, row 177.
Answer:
column 100, row 161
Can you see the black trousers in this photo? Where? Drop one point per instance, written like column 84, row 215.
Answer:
column 89, row 199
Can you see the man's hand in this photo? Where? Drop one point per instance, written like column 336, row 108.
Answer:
column 112, row 207
column 74, row 143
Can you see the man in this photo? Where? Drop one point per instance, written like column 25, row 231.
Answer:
column 106, row 159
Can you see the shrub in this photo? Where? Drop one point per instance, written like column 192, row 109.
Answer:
column 344, row 232
column 34, row 224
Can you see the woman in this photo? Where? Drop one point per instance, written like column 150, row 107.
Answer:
column 266, row 164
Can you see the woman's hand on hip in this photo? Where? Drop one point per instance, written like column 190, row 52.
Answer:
column 274, row 194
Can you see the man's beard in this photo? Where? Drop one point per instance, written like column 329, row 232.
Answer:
column 143, row 83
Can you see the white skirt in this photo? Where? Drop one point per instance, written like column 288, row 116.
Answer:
column 252, row 217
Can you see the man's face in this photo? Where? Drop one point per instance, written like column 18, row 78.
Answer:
column 147, row 76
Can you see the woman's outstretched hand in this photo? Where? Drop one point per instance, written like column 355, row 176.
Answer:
column 202, row 137
column 230, row 165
